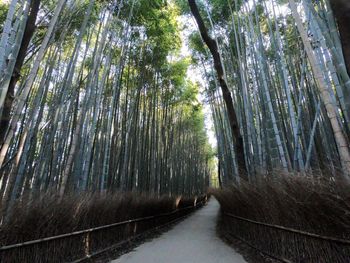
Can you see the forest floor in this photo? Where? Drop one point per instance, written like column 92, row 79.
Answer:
column 194, row 240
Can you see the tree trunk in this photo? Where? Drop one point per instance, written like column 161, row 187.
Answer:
column 6, row 32
column 213, row 47
column 341, row 10
column 28, row 33
column 30, row 81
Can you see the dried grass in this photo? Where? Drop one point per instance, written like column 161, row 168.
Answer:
column 315, row 206
column 47, row 217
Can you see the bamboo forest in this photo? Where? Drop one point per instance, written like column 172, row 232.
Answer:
column 175, row 131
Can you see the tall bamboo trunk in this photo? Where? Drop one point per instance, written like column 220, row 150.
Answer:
column 341, row 10
column 30, row 81
column 342, row 144
column 27, row 36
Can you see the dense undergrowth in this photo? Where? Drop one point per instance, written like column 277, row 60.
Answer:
column 47, row 216
column 302, row 203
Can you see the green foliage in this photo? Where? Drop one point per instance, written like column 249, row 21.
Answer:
column 183, row 6
column 3, row 13
column 159, row 19
column 176, row 72
column 190, row 93
column 196, row 43
column 220, row 10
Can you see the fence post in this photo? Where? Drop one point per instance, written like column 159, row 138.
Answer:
column 87, row 244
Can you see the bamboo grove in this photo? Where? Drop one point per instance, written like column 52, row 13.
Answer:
column 94, row 97
column 286, row 67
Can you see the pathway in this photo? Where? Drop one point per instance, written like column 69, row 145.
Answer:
column 193, row 240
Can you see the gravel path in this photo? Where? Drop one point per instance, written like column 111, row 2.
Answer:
column 193, row 240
